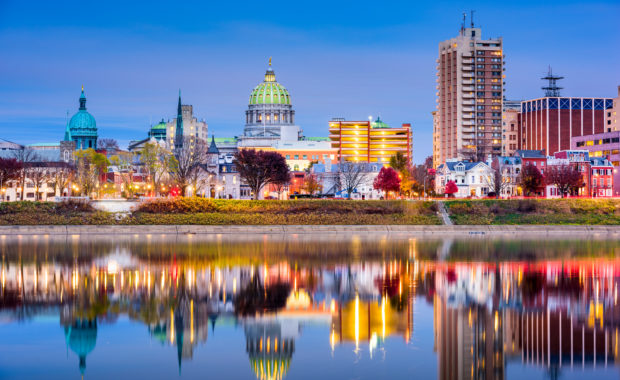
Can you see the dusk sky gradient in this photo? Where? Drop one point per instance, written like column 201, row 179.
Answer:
column 338, row 59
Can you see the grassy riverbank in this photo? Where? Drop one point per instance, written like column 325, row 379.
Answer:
column 184, row 211
column 534, row 211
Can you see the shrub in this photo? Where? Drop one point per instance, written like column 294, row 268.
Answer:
column 526, row 205
column 179, row 205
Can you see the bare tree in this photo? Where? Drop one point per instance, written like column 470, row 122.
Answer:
column 25, row 157
column 107, row 144
column 350, row 176
column 158, row 162
column 496, row 180
column 187, row 162
column 37, row 173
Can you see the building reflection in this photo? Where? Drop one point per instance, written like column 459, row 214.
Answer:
column 556, row 315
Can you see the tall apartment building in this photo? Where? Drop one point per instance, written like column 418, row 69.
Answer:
column 436, row 151
column 470, row 83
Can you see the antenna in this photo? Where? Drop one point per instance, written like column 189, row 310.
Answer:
column 472, row 18
column 552, row 89
column 463, row 23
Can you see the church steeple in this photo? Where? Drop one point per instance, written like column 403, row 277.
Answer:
column 82, row 100
column 178, row 137
column 67, row 133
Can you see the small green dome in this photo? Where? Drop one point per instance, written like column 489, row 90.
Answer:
column 270, row 91
column 83, row 123
column 379, row 124
column 161, row 125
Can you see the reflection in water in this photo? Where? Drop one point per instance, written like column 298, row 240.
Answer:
column 557, row 314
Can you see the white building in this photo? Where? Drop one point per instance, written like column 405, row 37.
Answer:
column 334, row 179
column 473, row 179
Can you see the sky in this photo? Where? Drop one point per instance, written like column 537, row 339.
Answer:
column 349, row 59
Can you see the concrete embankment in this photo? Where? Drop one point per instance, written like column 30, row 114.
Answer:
column 517, row 231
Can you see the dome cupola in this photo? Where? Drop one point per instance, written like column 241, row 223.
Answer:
column 82, row 127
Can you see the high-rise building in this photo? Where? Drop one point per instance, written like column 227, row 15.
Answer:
column 470, row 83
column 436, row 140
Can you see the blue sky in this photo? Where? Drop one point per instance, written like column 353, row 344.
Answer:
column 338, row 59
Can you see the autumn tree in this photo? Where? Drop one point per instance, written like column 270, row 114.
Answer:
column 125, row 167
column 564, row 177
column 496, row 180
column 158, row 163
column 312, row 184
column 10, row 170
column 387, row 180
column 37, row 173
column 451, row 188
column 259, row 168
column 530, row 179
column 90, row 165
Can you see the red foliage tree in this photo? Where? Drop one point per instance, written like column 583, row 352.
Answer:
column 259, row 168
column 387, row 180
column 564, row 177
column 451, row 188
column 531, row 179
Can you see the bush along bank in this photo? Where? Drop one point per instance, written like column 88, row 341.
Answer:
column 226, row 212
column 535, row 211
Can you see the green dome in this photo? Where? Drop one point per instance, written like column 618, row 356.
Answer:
column 270, row 91
column 83, row 123
column 161, row 125
column 379, row 124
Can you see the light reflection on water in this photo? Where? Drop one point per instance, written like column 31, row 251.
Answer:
column 274, row 307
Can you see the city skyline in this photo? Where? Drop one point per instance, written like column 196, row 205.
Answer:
column 132, row 63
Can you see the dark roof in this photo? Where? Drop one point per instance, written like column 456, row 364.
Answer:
column 213, row 148
column 530, row 154
column 468, row 165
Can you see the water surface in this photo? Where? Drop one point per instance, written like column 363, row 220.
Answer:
column 302, row 307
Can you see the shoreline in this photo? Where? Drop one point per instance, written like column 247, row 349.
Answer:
column 522, row 231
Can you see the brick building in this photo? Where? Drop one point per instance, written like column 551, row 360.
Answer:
column 549, row 123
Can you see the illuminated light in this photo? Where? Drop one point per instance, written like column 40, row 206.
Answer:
column 496, row 325
column 332, row 307
column 112, row 267
column 357, row 322
column 383, row 315
column 171, row 325
column 191, row 320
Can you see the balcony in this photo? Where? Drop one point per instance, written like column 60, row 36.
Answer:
column 468, row 109
column 468, row 122
column 468, row 81
column 468, row 88
column 468, row 68
column 468, row 60
column 468, row 102
column 469, row 115
column 468, row 75
column 468, row 95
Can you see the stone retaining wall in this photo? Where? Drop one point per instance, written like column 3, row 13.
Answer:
column 524, row 231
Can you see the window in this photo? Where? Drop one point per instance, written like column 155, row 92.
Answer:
column 480, row 52
column 473, row 179
column 297, row 157
column 305, row 157
column 288, row 156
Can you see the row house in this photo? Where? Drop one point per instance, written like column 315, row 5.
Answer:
column 473, row 179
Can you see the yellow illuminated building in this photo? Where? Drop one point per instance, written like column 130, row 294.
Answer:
column 366, row 141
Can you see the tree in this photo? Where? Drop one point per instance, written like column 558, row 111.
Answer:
column 350, row 175
column 107, row 144
column 496, row 180
column 451, row 188
column 530, row 179
column 24, row 156
column 185, row 168
column 10, row 170
column 37, row 173
column 90, row 165
column 312, row 184
column 387, row 180
column 259, row 168
column 420, row 177
column 399, row 162
column 564, row 177
column 124, row 164
column 281, row 181
column 61, row 177
column 158, row 163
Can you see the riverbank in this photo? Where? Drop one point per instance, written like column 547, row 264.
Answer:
column 335, row 230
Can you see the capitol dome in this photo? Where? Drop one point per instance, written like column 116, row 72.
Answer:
column 270, row 91
column 269, row 109
column 82, row 127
